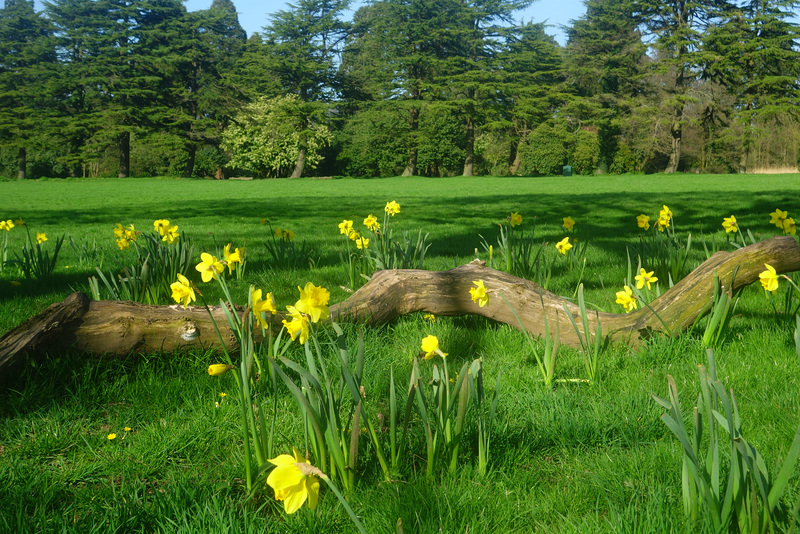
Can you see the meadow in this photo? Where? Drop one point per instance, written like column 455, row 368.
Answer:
column 581, row 457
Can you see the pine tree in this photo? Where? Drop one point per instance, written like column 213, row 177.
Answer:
column 27, row 62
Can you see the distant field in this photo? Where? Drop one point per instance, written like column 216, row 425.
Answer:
column 581, row 458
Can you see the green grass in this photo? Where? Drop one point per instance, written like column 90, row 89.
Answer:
column 581, row 458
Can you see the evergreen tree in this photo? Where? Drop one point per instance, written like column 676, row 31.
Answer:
column 302, row 47
column 27, row 60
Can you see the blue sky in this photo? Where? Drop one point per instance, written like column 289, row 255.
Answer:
column 254, row 14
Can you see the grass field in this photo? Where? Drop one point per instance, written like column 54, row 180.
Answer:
column 584, row 457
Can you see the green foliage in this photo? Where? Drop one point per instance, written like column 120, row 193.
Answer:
column 267, row 137
column 35, row 261
column 586, row 155
column 547, row 150
column 375, row 141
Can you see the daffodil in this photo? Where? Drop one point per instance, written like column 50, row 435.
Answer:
column 430, row 317
column 217, row 369
column 182, row 291
column 354, row 236
column 161, row 226
column 430, row 346
column 231, row 258
column 769, row 278
column 260, row 306
column 7, row 225
column 346, row 227
column 644, row 278
column 41, row 237
column 19, row 222
column 294, row 480
column 127, row 429
column 371, row 222
column 643, row 221
column 119, row 231
column 515, row 219
column 478, row 293
column 392, row 208
column 730, row 224
column 111, row 436
column 568, row 223
column 298, row 325
column 564, row 245
column 664, row 218
column 625, row 297
column 362, row 243
column 123, row 243
column 209, row 267
column 314, row 302
column 170, row 235
column 789, row 226
column 288, row 235
column 777, row 217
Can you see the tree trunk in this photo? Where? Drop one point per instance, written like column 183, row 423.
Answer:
column 22, row 163
column 301, row 162
column 411, row 165
column 191, row 152
column 469, row 159
column 124, row 155
column 121, row 328
column 677, row 133
column 513, row 168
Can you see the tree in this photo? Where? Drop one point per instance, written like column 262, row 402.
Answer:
column 209, row 48
column 677, row 27
column 754, row 53
column 605, row 62
column 302, row 47
column 272, row 135
column 27, row 62
column 118, row 56
column 533, row 87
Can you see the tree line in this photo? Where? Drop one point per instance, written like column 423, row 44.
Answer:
column 412, row 87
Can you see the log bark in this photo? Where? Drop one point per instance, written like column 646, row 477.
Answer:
column 115, row 328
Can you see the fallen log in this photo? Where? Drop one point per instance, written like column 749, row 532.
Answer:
column 115, row 328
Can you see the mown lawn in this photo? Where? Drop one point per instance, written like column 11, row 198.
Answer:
column 580, row 458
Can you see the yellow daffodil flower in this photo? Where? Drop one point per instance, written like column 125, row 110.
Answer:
column 429, row 316
column 430, row 346
column 664, row 218
column 127, row 429
column 789, row 226
column 41, row 237
column 260, row 306
column 314, row 302
column 643, row 221
column 288, row 235
column 515, row 219
column 182, row 291
column 170, row 235
column 298, row 325
column 346, row 227
column 217, row 369
column 564, row 245
column 769, row 278
column 392, row 208
column 231, row 258
column 354, row 236
column 20, row 222
column 7, row 225
column 645, row 278
column 119, row 231
column 209, row 267
column 294, row 480
column 362, row 243
column 730, row 224
column 161, row 226
column 777, row 217
column 371, row 222
column 568, row 223
column 123, row 243
column 625, row 297
column 111, row 436
column 478, row 293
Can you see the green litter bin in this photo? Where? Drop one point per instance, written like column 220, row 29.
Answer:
column 567, row 170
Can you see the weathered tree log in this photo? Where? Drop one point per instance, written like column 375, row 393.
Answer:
column 121, row 328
